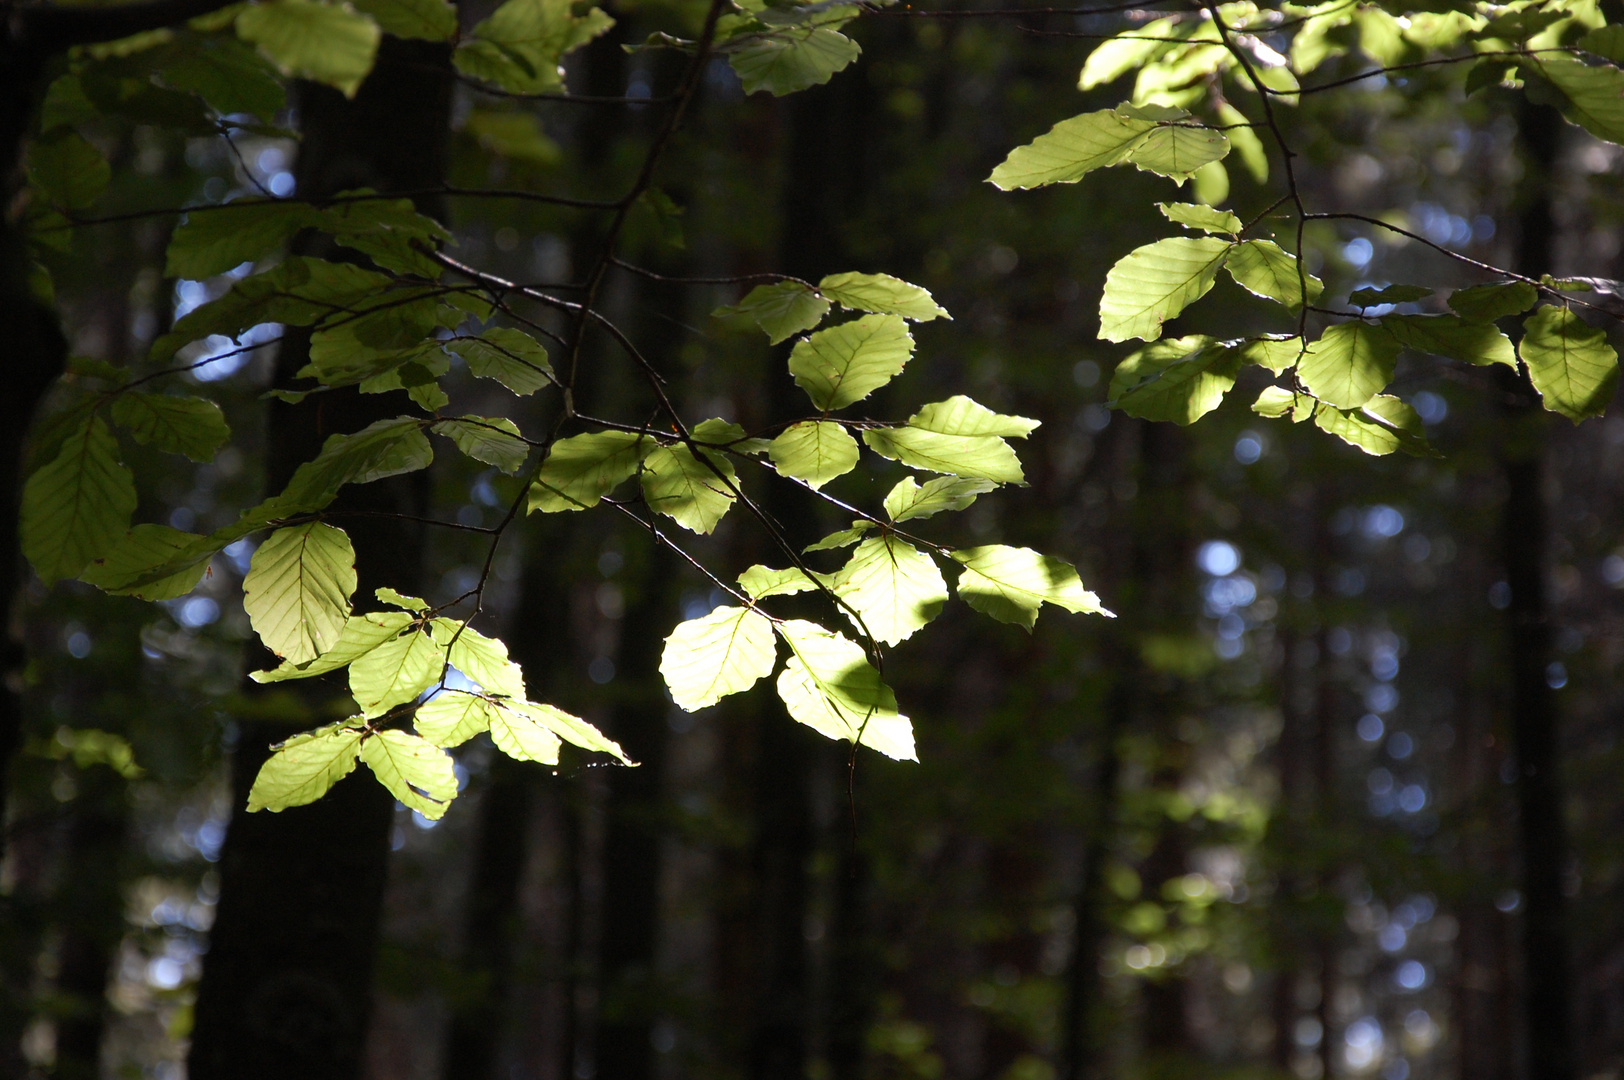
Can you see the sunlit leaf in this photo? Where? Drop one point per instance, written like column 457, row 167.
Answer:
column 1486, row 303
column 1349, row 364
column 814, row 451
column 510, row 357
column 1177, row 150
column 361, row 634
column 1452, row 336
column 782, row 309
column 894, row 586
column 792, row 58
column 395, row 672
column 495, row 441
column 1011, row 584
column 297, row 592
column 1265, row 269
column 305, row 767
column 581, row 470
column 325, row 43
column 452, row 717
column 829, row 685
column 882, row 294
column 909, row 500
column 761, row 581
column 415, row 771
column 520, row 45
column 154, row 562
column 683, row 487
column 844, row 364
column 180, row 425
column 722, row 653
column 1203, row 218
column 1071, row 150
column 1570, row 362
column 1179, row 380
column 1154, row 283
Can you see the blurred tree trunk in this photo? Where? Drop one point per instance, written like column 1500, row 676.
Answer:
column 1542, row 830
column 287, row 986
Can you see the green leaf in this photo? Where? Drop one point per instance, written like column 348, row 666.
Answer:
column 1072, row 149
column 1178, row 150
column 1154, row 283
column 844, row 364
column 298, row 291
column 324, row 43
column 1277, row 401
column 452, row 717
column 297, row 592
column 814, row 451
column 415, row 771
column 1349, row 364
column 761, row 581
column 227, row 74
column 1180, row 380
column 1606, row 41
column 1570, row 363
column 153, row 562
column 829, row 685
column 724, row 433
column 909, row 500
column 361, row 635
column 379, row 450
column 1263, row 268
column 1204, row 218
column 1011, row 583
column 305, row 767
column 179, row 425
column 581, row 470
column 572, row 729
column 782, row 309
column 1391, row 294
column 67, row 170
column 395, row 671
column 77, row 507
column 511, row 357
column 1486, row 303
column 792, row 58
column 213, row 240
column 845, row 537
column 482, row 659
column 894, row 586
column 521, row 737
column 1595, row 94
column 681, row 486
column 519, row 47
column 722, row 653
column 883, row 294
column 387, row 595
column 1450, row 335
column 495, row 441
column 423, row 20
column 958, row 437
column 1383, row 425
column 1275, row 352
column 391, row 231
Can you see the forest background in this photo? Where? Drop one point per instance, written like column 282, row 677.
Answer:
column 1333, row 794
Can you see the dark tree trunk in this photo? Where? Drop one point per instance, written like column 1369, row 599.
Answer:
column 1542, row 831
column 287, row 987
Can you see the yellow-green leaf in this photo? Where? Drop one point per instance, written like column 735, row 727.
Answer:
column 78, row 506
column 297, row 592
column 708, row 658
column 829, row 685
column 1570, row 363
column 415, row 771
column 844, row 364
column 305, row 767
column 1154, row 283
column 1011, row 584
column 814, row 451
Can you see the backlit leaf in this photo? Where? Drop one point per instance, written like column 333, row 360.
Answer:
column 1486, row 303
column 1454, row 337
column 883, row 294
column 305, row 767
column 1265, row 269
column 1071, row 149
column 519, row 735
column 894, row 586
column 379, row 450
column 1570, row 363
column 1349, row 364
column 848, row 537
column 415, row 771
column 452, row 717
column 1154, row 283
column 844, row 364
column 958, row 437
column 297, row 592
column 581, row 470
column 792, row 58
column 572, row 729
column 761, row 581
column 829, row 685
column 1203, row 218
column 154, row 562
column 483, row 659
column 361, row 634
column 722, row 653
column 681, row 486
column 1179, row 380
column 814, row 451
column 395, row 672
column 1383, row 425
column 1011, row 584
column 1177, row 150
column 782, row 309
column 520, row 45
column 909, row 500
